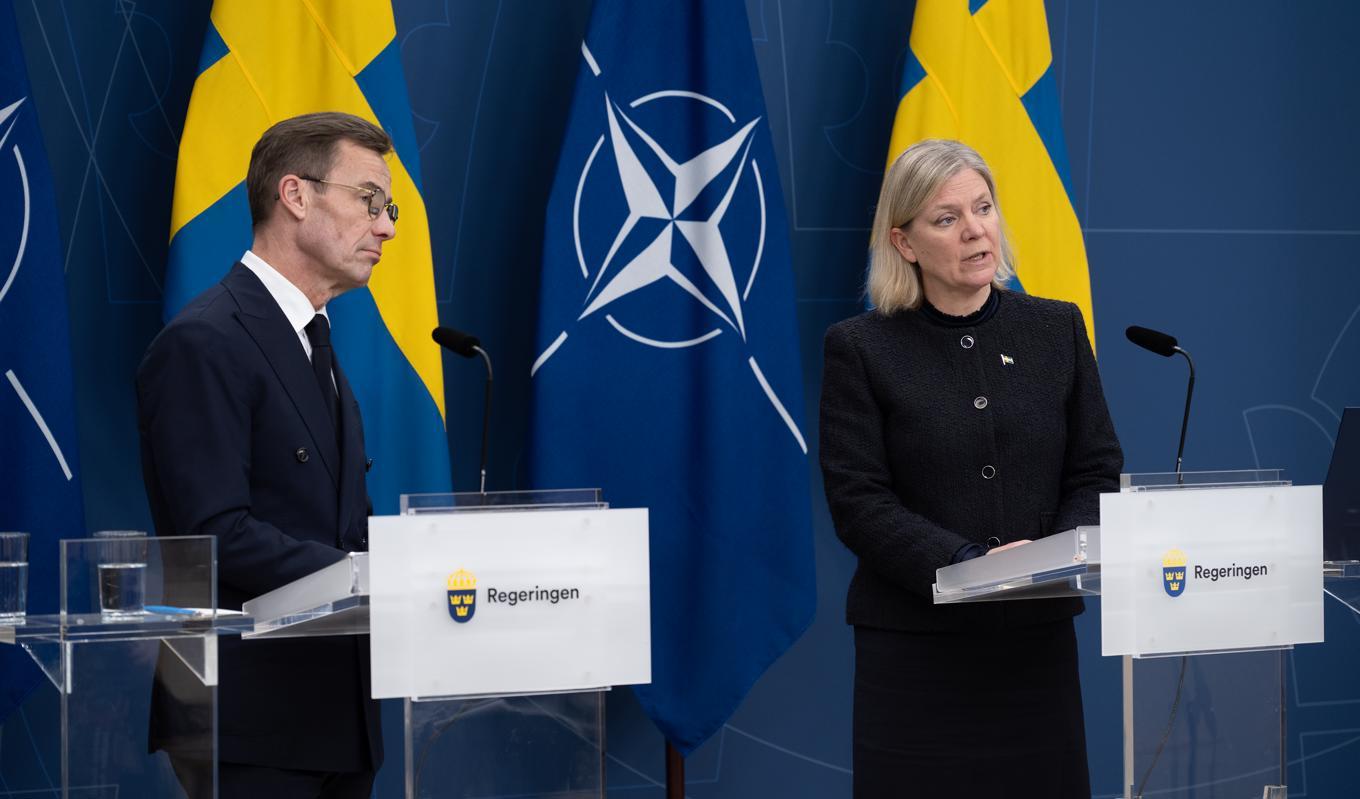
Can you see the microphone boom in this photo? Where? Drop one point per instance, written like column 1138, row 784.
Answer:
column 1166, row 346
column 469, row 346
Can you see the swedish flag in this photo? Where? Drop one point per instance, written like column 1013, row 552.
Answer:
column 980, row 71
column 299, row 56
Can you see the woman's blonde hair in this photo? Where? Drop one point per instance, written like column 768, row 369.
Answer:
column 894, row 282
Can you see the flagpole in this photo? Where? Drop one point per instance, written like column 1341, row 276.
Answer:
column 675, row 773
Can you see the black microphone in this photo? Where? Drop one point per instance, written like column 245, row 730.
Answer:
column 465, row 344
column 1162, row 344
column 468, row 345
column 1152, row 340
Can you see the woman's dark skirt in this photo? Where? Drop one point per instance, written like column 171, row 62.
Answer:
column 962, row 715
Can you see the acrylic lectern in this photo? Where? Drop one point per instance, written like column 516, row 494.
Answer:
column 499, row 619
column 124, row 603
column 1205, row 580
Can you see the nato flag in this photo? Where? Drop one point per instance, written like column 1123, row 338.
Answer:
column 667, row 369
column 39, row 492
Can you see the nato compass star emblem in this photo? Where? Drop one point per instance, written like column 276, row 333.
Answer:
column 672, row 231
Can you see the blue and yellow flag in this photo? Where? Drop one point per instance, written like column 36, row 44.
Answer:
column 39, row 466
column 300, row 56
column 981, row 71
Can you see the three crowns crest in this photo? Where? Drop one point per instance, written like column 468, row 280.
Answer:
column 462, row 592
column 1173, row 572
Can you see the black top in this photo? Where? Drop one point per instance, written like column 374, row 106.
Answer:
column 987, row 311
column 970, row 550
column 936, row 435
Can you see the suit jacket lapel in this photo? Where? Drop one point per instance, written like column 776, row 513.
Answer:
column 265, row 322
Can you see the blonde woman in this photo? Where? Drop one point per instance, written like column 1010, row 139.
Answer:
column 959, row 418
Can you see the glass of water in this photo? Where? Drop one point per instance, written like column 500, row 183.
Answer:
column 13, row 577
column 122, row 573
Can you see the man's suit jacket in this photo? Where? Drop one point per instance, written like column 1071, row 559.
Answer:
column 237, row 442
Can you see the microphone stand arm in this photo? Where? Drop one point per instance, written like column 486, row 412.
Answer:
column 486, row 413
column 1185, row 420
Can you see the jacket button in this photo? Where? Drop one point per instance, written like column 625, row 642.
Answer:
column 966, row 342
column 988, row 472
column 980, row 403
column 301, row 454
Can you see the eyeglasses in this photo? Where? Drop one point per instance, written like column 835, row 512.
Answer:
column 376, row 199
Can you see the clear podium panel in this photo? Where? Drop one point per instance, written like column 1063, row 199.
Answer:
column 109, row 718
column 542, row 499
column 1204, row 726
column 548, row 744
column 523, row 601
column 1341, row 581
column 1163, row 481
column 92, row 742
column 1211, row 566
column 526, row 747
column 132, row 577
column 1062, row 564
column 131, row 605
column 330, row 601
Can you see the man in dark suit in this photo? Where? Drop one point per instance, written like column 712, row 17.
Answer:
column 250, row 432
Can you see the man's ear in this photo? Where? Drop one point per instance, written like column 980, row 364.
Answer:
column 899, row 240
column 293, row 197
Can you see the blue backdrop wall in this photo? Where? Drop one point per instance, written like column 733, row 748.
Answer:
column 1214, row 173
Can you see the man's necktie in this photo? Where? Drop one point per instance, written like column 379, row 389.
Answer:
column 323, row 359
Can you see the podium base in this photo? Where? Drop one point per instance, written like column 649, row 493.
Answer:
column 544, row 745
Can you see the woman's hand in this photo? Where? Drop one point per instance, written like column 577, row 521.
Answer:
column 1011, row 545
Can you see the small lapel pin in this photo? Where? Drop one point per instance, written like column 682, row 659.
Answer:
column 1007, row 360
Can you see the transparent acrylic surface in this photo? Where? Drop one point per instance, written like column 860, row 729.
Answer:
column 345, row 616
column 124, row 693
column 174, row 576
column 335, row 601
column 548, row 745
column 1341, row 582
column 549, row 499
column 1226, row 740
column 119, row 681
column 13, row 577
column 1157, row 481
column 331, row 601
column 1063, row 564
column 526, row 747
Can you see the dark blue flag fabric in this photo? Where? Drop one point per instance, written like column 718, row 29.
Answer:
column 39, row 489
column 667, row 367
